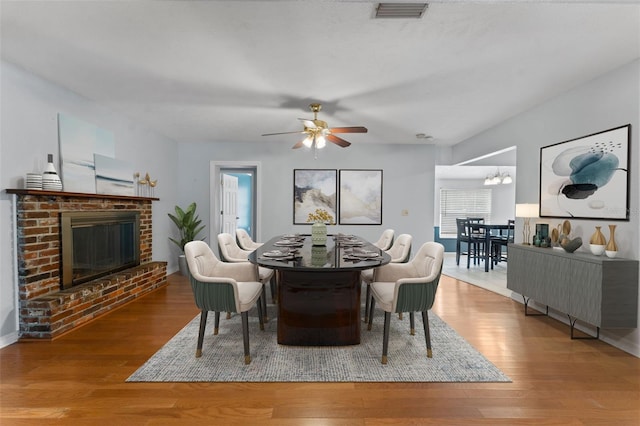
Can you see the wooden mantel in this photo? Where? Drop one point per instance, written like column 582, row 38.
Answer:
column 40, row 192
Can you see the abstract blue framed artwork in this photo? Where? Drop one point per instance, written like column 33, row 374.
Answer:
column 587, row 177
column 314, row 189
column 360, row 197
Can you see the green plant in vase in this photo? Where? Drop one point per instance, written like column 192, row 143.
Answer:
column 189, row 226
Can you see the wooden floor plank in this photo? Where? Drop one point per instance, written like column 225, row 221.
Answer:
column 80, row 377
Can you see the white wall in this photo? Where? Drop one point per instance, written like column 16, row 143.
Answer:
column 408, row 176
column 609, row 101
column 29, row 131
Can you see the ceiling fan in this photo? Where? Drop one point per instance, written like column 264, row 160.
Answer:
column 318, row 132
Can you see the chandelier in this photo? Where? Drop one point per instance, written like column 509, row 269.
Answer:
column 498, row 178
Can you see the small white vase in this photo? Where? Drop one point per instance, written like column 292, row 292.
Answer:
column 319, row 234
column 611, row 253
column 50, row 179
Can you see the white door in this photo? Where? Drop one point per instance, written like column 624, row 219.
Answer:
column 229, row 204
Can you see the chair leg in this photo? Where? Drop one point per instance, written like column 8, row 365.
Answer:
column 385, row 336
column 427, row 333
column 367, row 302
column 458, row 252
column 203, row 325
column 263, row 300
column 245, row 336
column 373, row 304
column 261, row 315
column 412, row 322
column 216, row 326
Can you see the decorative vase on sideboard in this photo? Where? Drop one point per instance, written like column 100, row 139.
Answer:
column 597, row 242
column 611, row 249
column 319, row 234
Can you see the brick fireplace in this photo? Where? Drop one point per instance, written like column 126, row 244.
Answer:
column 46, row 310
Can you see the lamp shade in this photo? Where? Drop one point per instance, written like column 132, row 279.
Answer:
column 527, row 210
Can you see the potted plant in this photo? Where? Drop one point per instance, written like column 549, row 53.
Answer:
column 189, row 226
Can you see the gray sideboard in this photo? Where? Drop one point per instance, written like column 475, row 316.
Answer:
column 595, row 289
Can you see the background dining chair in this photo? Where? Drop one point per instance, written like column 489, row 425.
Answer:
column 386, row 240
column 476, row 244
column 461, row 238
column 230, row 251
column 222, row 287
column 400, row 252
column 500, row 242
column 245, row 241
column 408, row 287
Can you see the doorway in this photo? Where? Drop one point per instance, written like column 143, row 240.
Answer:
column 237, row 205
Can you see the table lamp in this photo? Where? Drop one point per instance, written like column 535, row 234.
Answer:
column 526, row 211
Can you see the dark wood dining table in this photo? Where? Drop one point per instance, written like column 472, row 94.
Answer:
column 485, row 229
column 319, row 288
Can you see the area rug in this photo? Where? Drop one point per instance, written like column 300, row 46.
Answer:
column 454, row 359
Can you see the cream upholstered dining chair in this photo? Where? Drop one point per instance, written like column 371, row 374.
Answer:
column 231, row 252
column 408, row 287
column 386, row 240
column 245, row 241
column 400, row 252
column 218, row 286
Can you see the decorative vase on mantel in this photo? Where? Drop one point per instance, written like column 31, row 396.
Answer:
column 597, row 242
column 50, row 179
column 319, row 234
column 611, row 249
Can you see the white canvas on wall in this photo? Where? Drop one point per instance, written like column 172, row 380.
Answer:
column 113, row 176
column 79, row 141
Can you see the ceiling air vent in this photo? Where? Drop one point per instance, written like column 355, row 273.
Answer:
column 401, row 10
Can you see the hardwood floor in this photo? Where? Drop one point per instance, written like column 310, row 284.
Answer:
column 80, row 378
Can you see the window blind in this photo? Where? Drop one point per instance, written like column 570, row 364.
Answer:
column 457, row 203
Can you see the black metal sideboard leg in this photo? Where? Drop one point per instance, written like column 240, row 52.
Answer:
column 572, row 323
column 526, row 313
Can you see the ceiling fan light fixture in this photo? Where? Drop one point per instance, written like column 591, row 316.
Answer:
column 308, row 141
column 321, row 142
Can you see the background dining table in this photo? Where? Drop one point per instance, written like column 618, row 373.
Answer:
column 485, row 229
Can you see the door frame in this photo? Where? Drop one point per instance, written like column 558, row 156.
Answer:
column 215, row 169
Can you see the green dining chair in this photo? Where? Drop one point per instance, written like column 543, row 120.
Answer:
column 400, row 252
column 222, row 287
column 408, row 287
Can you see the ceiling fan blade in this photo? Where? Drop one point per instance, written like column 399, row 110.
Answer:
column 352, row 129
column 283, row 133
column 338, row 141
column 298, row 145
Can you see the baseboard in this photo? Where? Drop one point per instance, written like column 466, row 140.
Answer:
column 8, row 339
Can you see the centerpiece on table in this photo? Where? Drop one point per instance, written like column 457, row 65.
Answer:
column 320, row 219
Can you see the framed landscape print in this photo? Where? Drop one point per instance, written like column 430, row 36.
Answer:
column 360, row 197
column 587, row 177
column 314, row 189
